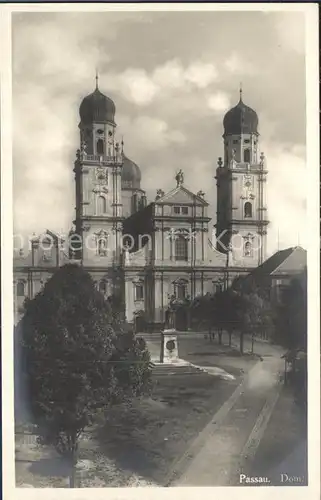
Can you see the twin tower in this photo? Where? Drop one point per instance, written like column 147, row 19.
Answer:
column 108, row 185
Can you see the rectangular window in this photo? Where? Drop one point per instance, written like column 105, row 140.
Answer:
column 185, row 210
column 181, row 248
column 177, row 210
column 181, row 291
column 139, row 292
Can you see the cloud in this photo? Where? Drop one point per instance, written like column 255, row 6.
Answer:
column 201, row 75
column 135, row 85
column 155, row 134
column 290, row 29
column 237, row 65
column 170, row 75
column 171, row 92
column 218, row 102
column 287, row 194
column 141, row 88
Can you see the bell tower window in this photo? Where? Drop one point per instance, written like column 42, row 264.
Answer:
column 248, row 210
column 247, row 156
column 100, row 147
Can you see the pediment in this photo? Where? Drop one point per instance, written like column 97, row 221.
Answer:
column 181, row 195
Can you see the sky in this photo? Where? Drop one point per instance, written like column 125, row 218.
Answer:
column 172, row 76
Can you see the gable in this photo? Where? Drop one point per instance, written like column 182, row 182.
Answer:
column 181, row 195
column 295, row 262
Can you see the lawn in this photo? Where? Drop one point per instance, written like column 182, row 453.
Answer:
column 138, row 445
column 133, row 446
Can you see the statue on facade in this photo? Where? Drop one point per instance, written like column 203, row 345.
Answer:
column 159, row 194
column 83, row 147
column 102, row 247
column 179, row 178
column 262, row 160
column 200, row 193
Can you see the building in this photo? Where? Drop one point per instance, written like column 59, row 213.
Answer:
column 277, row 272
column 150, row 252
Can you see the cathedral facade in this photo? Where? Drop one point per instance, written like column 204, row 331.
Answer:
column 150, row 252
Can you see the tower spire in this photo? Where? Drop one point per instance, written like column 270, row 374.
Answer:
column 96, row 78
column 241, row 91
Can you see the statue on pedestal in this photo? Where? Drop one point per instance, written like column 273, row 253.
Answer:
column 170, row 315
column 170, row 320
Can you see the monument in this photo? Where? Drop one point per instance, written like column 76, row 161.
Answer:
column 169, row 348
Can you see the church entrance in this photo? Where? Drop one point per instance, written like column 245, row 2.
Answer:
column 181, row 320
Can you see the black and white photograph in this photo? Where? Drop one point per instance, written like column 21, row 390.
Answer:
column 162, row 184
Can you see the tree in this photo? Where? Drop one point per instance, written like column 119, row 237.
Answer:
column 255, row 315
column 251, row 314
column 78, row 359
column 203, row 311
column 291, row 315
column 291, row 332
column 226, row 311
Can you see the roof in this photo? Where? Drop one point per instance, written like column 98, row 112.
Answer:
column 131, row 174
column 240, row 119
column 295, row 262
column 292, row 260
column 97, row 107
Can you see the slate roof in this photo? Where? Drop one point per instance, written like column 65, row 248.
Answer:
column 284, row 262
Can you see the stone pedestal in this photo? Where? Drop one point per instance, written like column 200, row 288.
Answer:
column 169, row 347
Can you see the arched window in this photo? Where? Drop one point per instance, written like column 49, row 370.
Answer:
column 181, row 248
column 101, row 205
column 247, row 249
column 247, row 156
column 20, row 289
column 248, row 209
column 100, row 147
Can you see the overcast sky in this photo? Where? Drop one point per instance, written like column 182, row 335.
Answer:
column 172, row 77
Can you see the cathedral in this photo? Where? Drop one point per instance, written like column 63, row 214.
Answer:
column 149, row 251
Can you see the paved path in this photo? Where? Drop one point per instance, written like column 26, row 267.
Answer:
column 223, row 447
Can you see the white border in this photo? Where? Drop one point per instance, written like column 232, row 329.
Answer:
column 312, row 75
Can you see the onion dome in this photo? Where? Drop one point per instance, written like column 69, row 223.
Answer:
column 240, row 120
column 97, row 107
column 131, row 174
